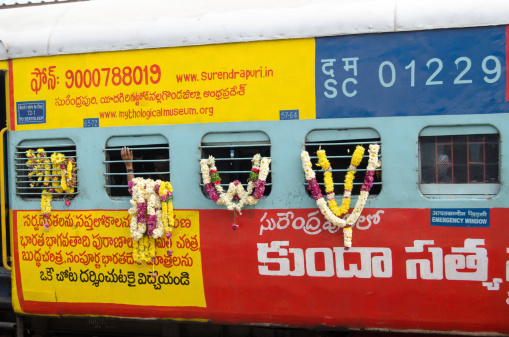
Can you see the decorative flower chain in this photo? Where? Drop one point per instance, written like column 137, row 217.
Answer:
column 255, row 186
column 151, row 214
column 44, row 168
column 324, row 163
column 347, row 224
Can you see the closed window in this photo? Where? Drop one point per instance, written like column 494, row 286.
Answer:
column 459, row 160
column 151, row 159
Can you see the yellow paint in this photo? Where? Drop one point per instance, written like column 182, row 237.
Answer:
column 33, row 240
column 4, row 65
column 287, row 68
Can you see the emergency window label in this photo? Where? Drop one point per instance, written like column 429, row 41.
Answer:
column 33, row 112
column 460, row 217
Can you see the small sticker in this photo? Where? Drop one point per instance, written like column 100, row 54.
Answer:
column 33, row 112
column 288, row 114
column 90, row 122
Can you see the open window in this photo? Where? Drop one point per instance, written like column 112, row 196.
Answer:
column 32, row 174
column 233, row 152
column 339, row 145
column 459, row 160
column 151, row 159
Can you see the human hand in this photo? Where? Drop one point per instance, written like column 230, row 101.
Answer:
column 127, row 157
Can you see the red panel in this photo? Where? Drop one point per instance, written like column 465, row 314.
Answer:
column 237, row 293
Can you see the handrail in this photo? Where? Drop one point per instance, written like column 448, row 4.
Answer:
column 2, row 201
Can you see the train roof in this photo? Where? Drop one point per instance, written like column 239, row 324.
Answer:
column 114, row 25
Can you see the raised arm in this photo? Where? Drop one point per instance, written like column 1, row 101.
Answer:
column 127, row 157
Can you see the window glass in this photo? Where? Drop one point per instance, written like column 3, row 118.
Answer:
column 339, row 146
column 150, row 160
column 233, row 152
column 459, row 159
column 38, row 173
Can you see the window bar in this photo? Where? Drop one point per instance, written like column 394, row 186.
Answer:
column 345, row 143
column 484, row 157
column 229, row 145
column 112, row 149
column 437, row 163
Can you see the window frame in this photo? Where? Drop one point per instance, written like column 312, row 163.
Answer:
column 58, row 145
column 142, row 142
column 235, row 140
column 477, row 189
column 343, row 137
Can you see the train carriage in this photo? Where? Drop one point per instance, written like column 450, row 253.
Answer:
column 334, row 165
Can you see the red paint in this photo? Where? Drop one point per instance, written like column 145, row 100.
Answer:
column 236, row 293
column 11, row 97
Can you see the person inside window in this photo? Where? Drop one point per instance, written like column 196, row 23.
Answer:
column 159, row 165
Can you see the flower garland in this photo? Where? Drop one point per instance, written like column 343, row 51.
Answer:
column 44, row 168
column 324, row 163
column 151, row 216
column 255, row 186
column 347, row 224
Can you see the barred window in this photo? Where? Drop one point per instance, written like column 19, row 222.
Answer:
column 32, row 177
column 459, row 160
column 339, row 146
column 151, row 159
column 233, row 152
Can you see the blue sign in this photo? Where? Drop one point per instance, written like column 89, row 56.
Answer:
column 440, row 72
column 288, row 114
column 33, row 112
column 90, row 122
column 460, row 217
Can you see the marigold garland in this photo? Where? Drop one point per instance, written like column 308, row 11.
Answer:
column 347, row 224
column 324, row 163
column 255, row 186
column 44, row 168
column 151, row 216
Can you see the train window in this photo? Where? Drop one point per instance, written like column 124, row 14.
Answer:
column 151, row 159
column 339, row 146
column 459, row 160
column 233, row 152
column 38, row 167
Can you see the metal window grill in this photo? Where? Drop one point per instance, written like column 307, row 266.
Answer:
column 233, row 153
column 23, row 188
column 150, row 160
column 339, row 153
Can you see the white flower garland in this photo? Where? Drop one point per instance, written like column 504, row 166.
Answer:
column 143, row 192
column 347, row 224
column 246, row 197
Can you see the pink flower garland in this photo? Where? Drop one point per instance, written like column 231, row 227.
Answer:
column 259, row 189
column 211, row 190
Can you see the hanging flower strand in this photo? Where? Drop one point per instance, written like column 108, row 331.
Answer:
column 250, row 196
column 347, row 224
column 151, row 216
column 44, row 168
column 324, row 163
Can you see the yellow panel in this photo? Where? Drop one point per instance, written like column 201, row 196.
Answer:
column 202, row 84
column 85, row 257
